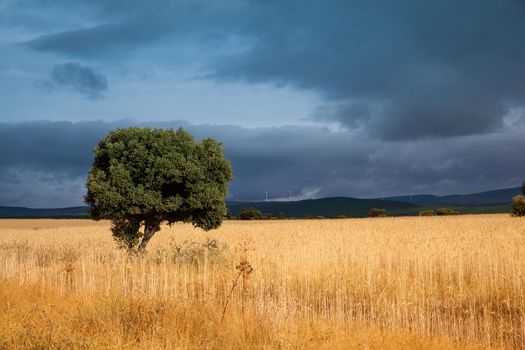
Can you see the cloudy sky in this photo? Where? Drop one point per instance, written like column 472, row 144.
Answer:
column 323, row 98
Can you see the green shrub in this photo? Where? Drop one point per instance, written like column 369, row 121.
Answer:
column 250, row 214
column 428, row 212
column 378, row 213
column 211, row 252
column 446, row 211
column 518, row 205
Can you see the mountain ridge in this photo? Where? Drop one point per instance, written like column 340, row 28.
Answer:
column 485, row 198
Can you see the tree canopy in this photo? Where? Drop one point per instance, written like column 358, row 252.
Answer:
column 144, row 177
column 250, row 214
column 378, row 213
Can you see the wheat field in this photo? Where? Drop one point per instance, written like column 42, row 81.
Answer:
column 394, row 283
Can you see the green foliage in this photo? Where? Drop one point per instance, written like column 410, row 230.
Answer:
column 126, row 233
column 250, row 214
column 518, row 205
column 428, row 212
column 446, row 211
column 143, row 177
column 378, row 212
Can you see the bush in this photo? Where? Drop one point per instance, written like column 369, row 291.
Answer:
column 378, row 213
column 194, row 253
column 428, row 212
column 212, row 251
column 518, row 205
column 446, row 211
column 250, row 214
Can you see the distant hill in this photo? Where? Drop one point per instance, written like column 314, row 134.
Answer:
column 327, row 207
column 485, row 202
column 482, row 199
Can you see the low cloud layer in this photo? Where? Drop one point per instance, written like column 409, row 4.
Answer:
column 75, row 77
column 48, row 161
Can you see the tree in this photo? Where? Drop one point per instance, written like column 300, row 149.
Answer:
column 250, row 214
column 142, row 177
column 378, row 213
column 446, row 211
column 428, row 212
column 518, row 205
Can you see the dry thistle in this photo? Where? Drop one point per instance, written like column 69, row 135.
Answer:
column 244, row 269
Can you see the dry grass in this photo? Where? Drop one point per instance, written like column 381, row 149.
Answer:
column 422, row 282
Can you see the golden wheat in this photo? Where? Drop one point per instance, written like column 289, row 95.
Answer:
column 419, row 282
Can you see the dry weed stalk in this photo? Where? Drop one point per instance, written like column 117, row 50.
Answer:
column 244, row 269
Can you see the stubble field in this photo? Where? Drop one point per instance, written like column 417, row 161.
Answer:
column 420, row 282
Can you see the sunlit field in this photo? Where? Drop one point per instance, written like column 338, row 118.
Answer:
column 398, row 283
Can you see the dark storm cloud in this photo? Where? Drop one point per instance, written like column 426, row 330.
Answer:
column 44, row 163
column 395, row 70
column 50, row 146
column 125, row 26
column 92, row 42
column 78, row 78
column 47, row 162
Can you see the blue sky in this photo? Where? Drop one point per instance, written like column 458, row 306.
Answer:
column 353, row 98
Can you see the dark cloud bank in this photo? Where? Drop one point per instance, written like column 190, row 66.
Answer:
column 430, row 94
column 45, row 163
column 393, row 70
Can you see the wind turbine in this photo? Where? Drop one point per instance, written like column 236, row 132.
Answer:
column 291, row 193
column 266, row 193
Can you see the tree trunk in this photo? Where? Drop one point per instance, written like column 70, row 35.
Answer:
column 149, row 231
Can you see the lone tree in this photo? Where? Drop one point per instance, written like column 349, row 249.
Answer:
column 518, row 203
column 142, row 177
